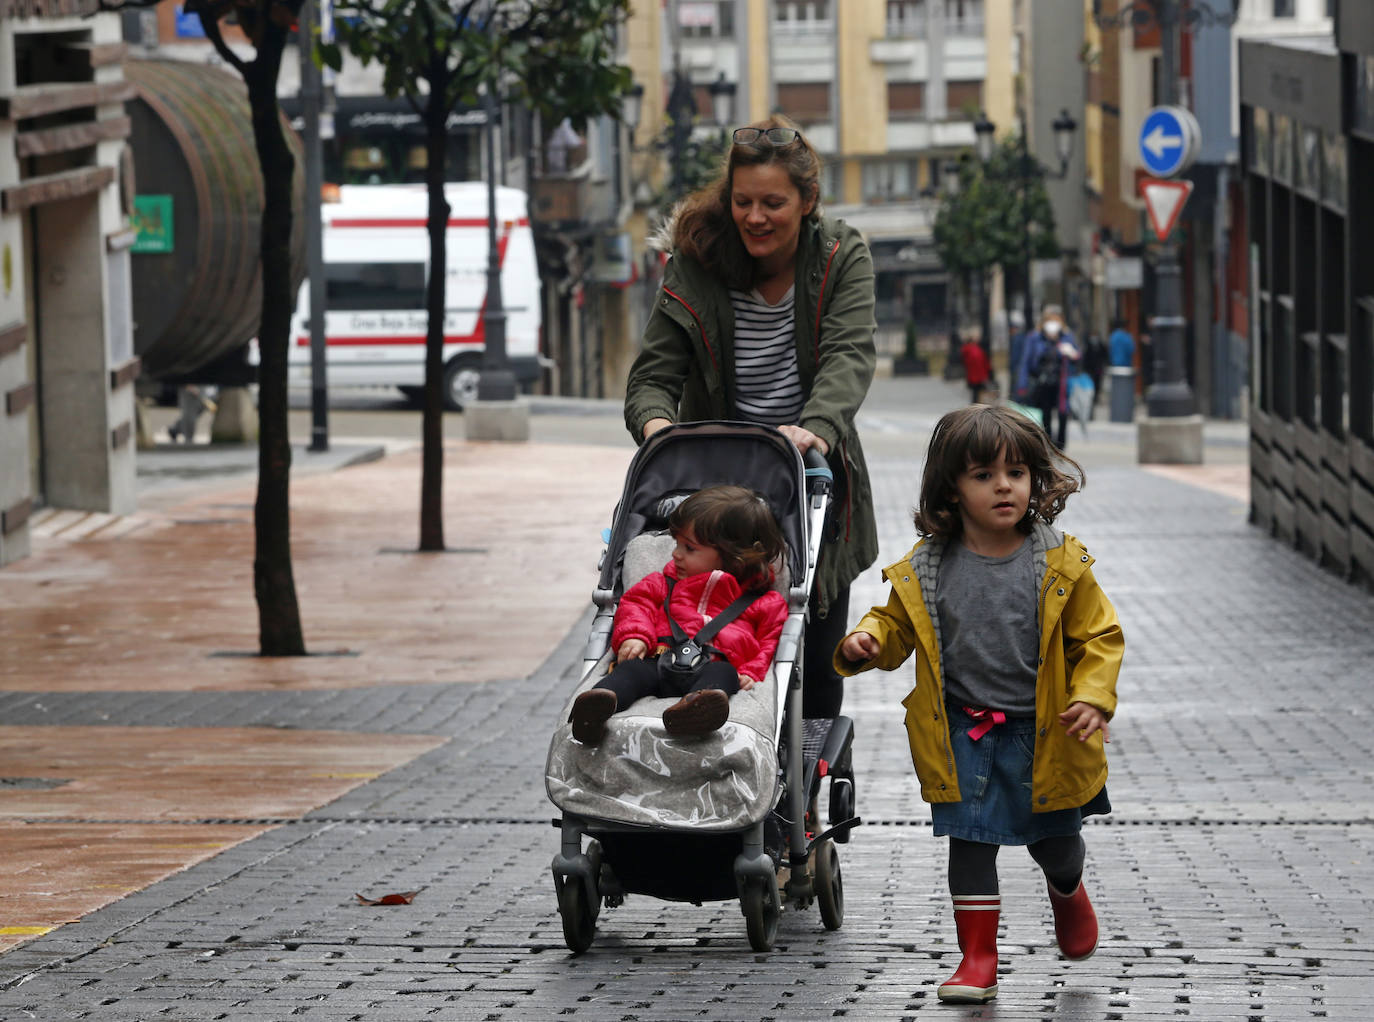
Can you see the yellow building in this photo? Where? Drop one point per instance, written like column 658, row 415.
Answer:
column 887, row 91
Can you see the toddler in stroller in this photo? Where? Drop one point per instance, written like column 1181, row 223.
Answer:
column 702, row 813
column 717, row 588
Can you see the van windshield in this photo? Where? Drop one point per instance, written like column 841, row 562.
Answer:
column 360, row 287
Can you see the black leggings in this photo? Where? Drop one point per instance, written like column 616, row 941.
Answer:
column 973, row 865
column 822, row 687
column 635, row 679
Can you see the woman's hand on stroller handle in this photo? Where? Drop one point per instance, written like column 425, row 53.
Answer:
column 804, row 438
column 654, row 425
column 632, row 649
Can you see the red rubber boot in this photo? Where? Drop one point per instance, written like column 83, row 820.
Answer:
column 975, row 981
column 1075, row 922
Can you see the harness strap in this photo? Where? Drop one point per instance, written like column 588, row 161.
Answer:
column 703, row 638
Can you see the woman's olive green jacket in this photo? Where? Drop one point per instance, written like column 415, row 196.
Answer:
column 685, row 372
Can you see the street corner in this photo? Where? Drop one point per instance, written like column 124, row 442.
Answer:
column 91, row 814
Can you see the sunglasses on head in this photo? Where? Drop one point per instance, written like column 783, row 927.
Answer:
column 776, row 136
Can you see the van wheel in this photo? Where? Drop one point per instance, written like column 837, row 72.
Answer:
column 460, row 381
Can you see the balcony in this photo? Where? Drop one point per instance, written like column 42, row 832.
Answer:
column 575, row 201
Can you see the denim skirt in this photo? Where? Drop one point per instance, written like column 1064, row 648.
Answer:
column 995, row 782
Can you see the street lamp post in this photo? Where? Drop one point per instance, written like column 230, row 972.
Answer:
column 496, row 381
column 1169, row 396
column 681, row 113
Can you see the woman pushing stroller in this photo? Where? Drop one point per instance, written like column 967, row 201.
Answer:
column 766, row 314
column 725, row 543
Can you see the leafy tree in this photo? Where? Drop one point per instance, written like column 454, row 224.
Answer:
column 555, row 57
column 266, row 23
column 983, row 222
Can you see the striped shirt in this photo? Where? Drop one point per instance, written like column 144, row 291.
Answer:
column 767, row 382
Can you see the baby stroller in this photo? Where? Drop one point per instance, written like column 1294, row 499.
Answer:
column 732, row 814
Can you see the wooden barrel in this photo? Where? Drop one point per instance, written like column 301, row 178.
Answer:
column 193, row 141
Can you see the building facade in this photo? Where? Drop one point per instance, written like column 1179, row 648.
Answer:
column 1307, row 129
column 66, row 343
column 887, row 91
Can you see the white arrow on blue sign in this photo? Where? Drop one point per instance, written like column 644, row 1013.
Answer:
column 1169, row 139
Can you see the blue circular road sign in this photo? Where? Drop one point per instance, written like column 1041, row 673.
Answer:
column 1169, row 138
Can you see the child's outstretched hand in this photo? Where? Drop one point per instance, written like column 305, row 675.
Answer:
column 746, row 682
column 859, row 646
column 632, row 649
column 1084, row 720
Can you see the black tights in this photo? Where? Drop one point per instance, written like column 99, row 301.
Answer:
column 973, row 865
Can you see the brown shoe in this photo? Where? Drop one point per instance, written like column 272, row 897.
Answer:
column 590, row 711
column 697, row 713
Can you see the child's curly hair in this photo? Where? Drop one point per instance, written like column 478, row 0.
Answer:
column 738, row 523
column 977, row 435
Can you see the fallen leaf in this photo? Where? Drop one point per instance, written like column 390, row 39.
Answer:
column 404, row 898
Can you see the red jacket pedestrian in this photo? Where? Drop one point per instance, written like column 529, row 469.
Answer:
column 976, row 368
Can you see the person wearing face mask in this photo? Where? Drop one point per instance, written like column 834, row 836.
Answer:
column 766, row 314
column 1043, row 375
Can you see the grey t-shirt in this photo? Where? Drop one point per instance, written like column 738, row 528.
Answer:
column 991, row 639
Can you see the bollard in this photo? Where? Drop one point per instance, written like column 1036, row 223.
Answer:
column 1123, row 393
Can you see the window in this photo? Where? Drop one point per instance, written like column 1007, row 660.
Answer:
column 801, row 14
column 805, row 101
column 1333, row 170
column 964, row 17
column 707, row 19
column 368, row 287
column 889, row 180
column 1283, row 148
column 963, row 100
column 905, row 100
column 906, row 18
column 1284, row 8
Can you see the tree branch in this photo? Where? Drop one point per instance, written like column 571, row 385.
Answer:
column 209, row 20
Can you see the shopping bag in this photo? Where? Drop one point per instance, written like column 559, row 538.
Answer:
column 1081, row 399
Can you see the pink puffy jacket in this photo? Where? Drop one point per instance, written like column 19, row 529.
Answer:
column 748, row 642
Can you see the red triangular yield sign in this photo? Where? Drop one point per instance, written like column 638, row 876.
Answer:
column 1164, row 202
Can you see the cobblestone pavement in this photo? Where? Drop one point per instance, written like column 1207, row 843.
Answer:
column 1235, row 879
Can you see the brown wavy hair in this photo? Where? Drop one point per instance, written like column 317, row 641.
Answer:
column 705, row 231
column 738, row 523
column 977, row 435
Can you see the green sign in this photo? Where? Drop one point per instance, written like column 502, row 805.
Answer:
column 153, row 221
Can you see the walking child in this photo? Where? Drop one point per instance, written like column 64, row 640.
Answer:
column 721, row 571
column 1017, row 654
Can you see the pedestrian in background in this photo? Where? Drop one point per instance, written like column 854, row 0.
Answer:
column 766, row 314
column 192, row 402
column 1047, row 359
column 1094, row 364
column 1007, row 741
column 976, row 368
column 1120, row 345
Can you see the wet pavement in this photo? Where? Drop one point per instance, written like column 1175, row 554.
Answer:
column 227, row 810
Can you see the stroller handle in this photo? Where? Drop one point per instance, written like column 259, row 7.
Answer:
column 818, row 468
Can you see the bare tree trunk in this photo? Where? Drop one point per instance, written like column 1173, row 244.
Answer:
column 432, row 471
column 279, row 622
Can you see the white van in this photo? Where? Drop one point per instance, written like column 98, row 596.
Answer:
column 376, row 258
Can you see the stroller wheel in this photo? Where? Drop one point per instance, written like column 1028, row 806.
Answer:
column 579, row 919
column 762, row 909
column 829, row 885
